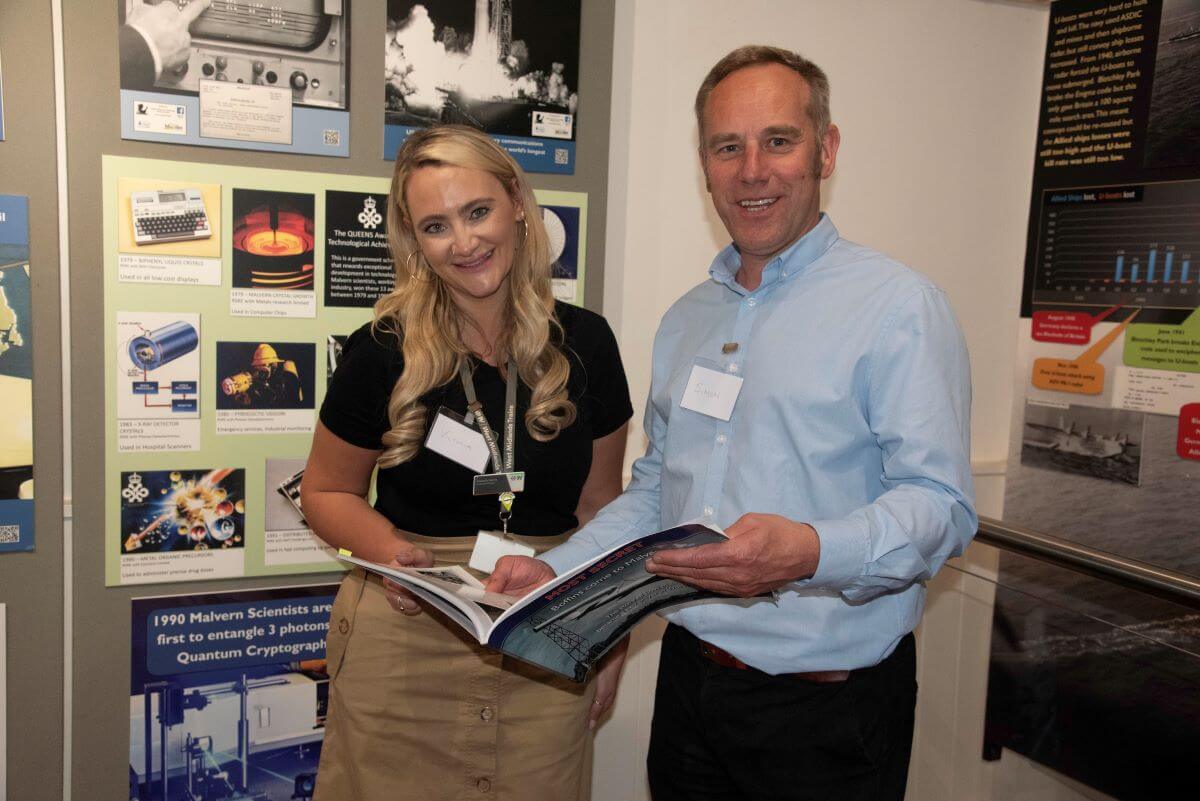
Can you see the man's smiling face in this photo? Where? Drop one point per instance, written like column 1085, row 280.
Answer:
column 763, row 160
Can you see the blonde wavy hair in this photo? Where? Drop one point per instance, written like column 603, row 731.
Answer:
column 421, row 312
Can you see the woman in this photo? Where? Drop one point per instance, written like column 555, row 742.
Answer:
column 417, row 708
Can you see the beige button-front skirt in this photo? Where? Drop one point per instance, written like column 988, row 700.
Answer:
column 419, row 710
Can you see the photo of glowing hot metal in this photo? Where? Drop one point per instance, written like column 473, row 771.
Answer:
column 273, row 240
column 182, row 510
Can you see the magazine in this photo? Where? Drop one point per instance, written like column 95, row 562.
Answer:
column 567, row 624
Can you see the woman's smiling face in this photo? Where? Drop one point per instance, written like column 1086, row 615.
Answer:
column 465, row 222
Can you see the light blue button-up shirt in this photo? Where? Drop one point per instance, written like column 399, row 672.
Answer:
column 853, row 416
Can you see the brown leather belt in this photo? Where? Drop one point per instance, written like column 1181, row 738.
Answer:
column 723, row 658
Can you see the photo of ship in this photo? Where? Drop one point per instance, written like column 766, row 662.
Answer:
column 1173, row 130
column 1192, row 33
column 1100, row 443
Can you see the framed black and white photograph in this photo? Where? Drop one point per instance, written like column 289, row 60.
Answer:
column 1084, row 440
column 507, row 67
column 252, row 76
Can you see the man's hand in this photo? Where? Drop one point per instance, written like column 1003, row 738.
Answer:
column 764, row 552
column 608, row 674
column 166, row 28
column 401, row 599
column 518, row 575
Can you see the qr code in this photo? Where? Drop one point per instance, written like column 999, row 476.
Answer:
column 333, row 137
column 561, row 156
column 10, row 534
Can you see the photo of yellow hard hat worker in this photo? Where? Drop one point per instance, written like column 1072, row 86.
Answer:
column 265, row 375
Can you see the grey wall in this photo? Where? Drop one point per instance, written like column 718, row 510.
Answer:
column 31, row 584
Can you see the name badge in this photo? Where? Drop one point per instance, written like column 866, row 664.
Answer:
column 457, row 441
column 490, row 546
column 711, row 392
column 497, row 483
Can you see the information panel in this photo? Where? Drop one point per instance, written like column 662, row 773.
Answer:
column 228, row 294
column 1105, row 444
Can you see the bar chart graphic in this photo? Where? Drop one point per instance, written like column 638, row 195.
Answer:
column 1128, row 245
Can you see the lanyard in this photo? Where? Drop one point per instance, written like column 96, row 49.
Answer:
column 501, row 463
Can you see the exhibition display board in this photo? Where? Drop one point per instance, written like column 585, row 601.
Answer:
column 1106, row 428
column 508, row 67
column 212, row 392
column 177, row 305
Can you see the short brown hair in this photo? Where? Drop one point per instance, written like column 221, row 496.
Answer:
column 753, row 55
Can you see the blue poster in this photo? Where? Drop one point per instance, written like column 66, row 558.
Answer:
column 228, row 694
column 16, row 378
column 507, row 67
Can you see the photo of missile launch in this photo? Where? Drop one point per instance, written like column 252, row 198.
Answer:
column 492, row 64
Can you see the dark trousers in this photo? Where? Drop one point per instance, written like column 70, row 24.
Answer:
column 725, row 734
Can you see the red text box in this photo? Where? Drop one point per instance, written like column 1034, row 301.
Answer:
column 1188, row 444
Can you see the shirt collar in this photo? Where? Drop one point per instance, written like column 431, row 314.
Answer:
column 794, row 259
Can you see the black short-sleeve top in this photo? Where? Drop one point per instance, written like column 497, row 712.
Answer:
column 431, row 494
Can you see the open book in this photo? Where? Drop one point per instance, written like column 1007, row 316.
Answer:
column 567, row 624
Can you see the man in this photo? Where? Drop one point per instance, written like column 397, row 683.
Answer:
column 812, row 398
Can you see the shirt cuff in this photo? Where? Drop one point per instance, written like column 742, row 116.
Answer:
column 158, row 64
column 843, row 554
column 564, row 557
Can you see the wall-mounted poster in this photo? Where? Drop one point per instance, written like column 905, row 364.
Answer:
column 211, row 389
column 1106, row 429
column 228, row 693
column 252, row 76
column 16, row 378
column 507, row 67
column 565, row 216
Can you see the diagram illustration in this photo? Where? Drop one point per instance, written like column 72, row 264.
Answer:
column 159, row 365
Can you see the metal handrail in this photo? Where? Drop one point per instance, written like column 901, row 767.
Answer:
column 1169, row 585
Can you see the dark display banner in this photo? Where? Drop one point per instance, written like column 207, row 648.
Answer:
column 358, row 264
column 1088, row 678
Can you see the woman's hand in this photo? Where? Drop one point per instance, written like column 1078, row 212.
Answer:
column 401, row 599
column 608, row 675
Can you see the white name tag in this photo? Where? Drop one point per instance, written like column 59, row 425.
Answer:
column 490, row 546
column 458, row 442
column 711, row 392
